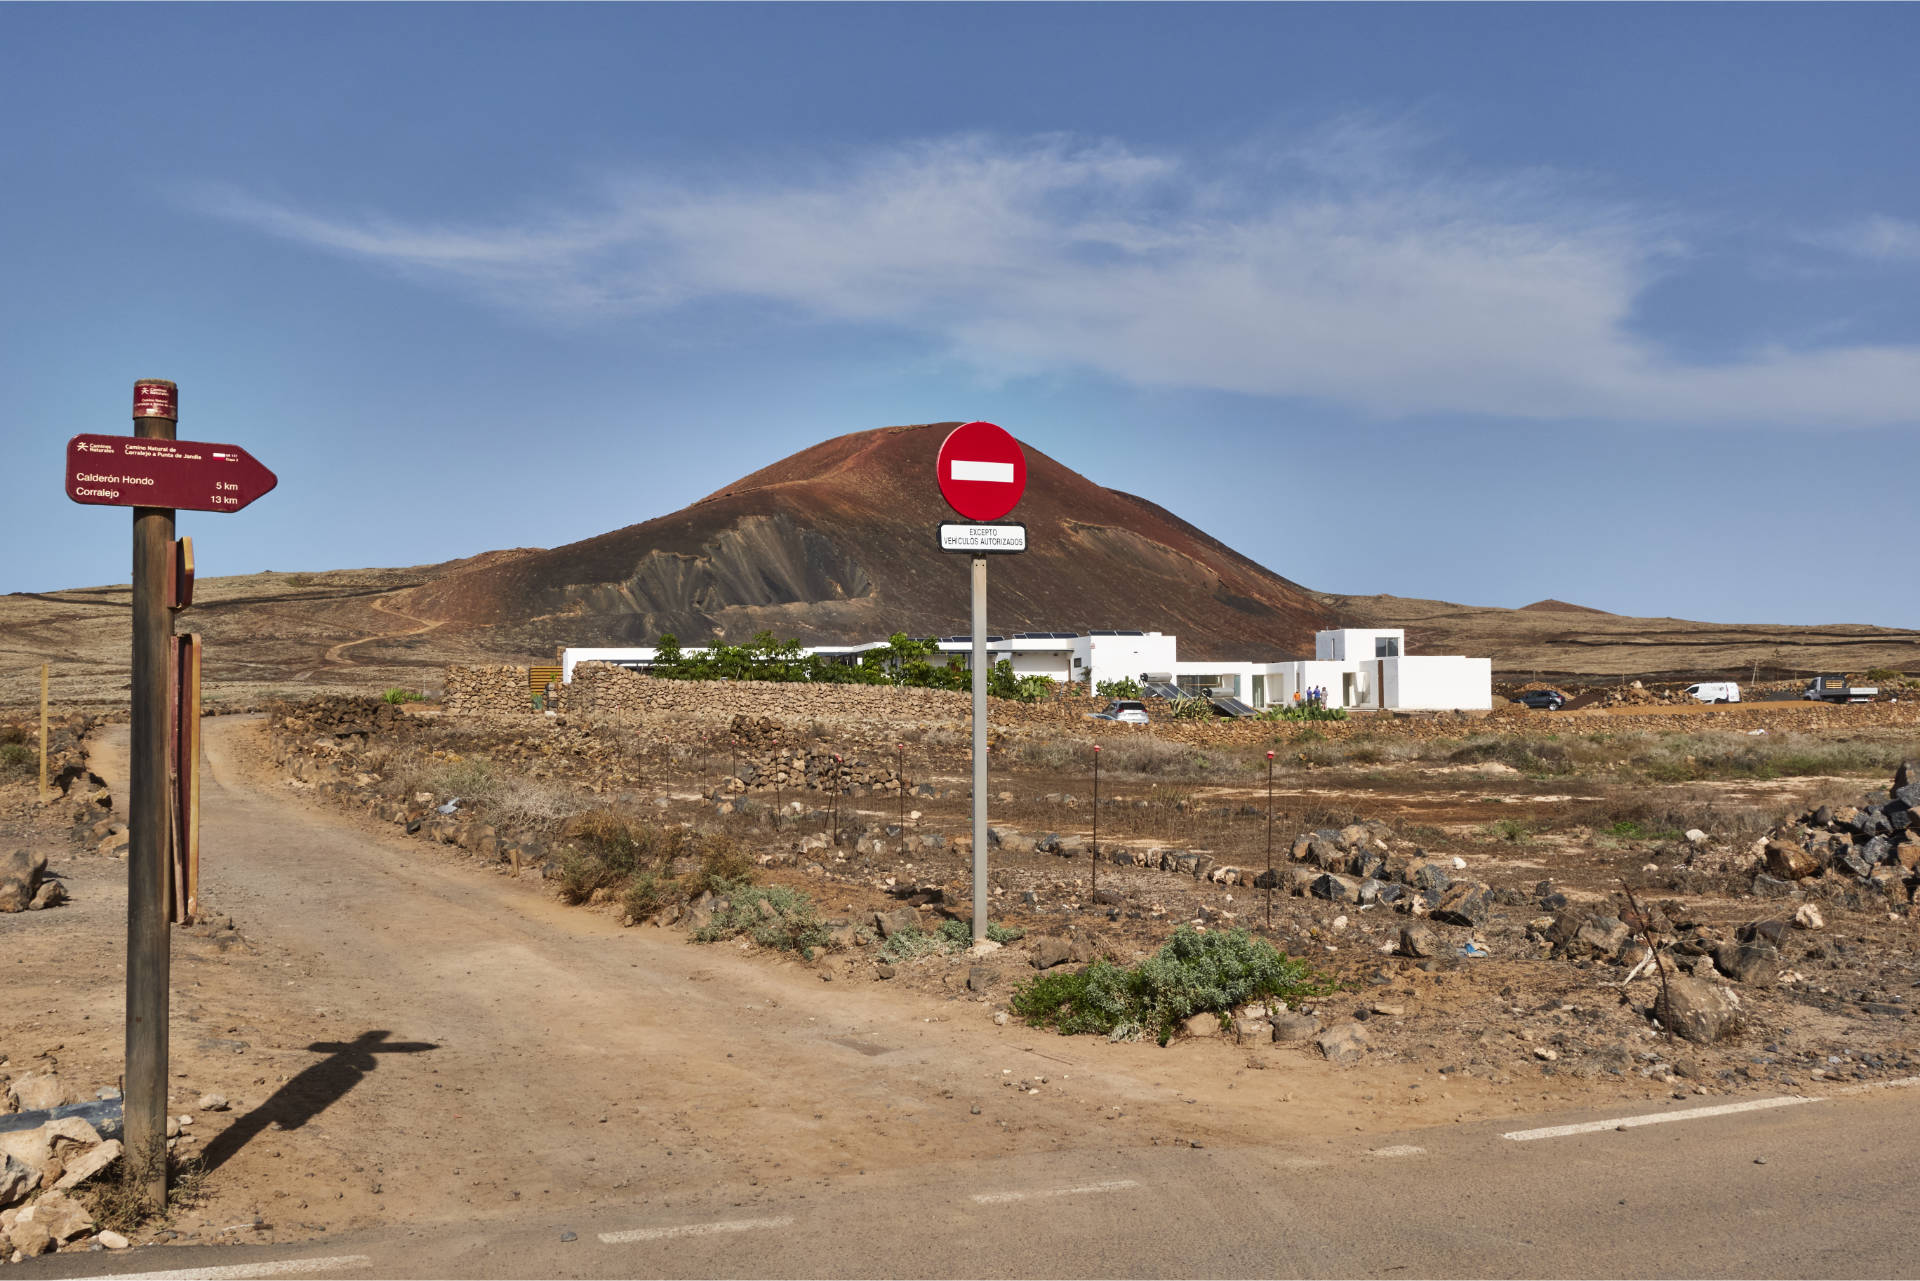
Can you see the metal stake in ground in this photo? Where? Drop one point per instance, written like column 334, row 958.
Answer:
column 156, row 409
column 979, row 748
column 1269, row 842
column 1095, row 846
column 900, row 777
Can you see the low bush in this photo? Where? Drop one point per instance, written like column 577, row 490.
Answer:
column 398, row 695
column 724, row 863
column 1194, row 973
column 18, row 758
column 649, row 892
column 952, row 936
column 772, row 916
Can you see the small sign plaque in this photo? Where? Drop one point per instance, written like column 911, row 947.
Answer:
column 982, row 539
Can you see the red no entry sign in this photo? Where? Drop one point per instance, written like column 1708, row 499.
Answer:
column 140, row 471
column 983, row 471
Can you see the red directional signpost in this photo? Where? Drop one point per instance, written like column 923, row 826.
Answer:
column 155, row 474
column 983, row 474
column 130, row 471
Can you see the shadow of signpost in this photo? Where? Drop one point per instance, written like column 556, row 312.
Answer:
column 315, row 1089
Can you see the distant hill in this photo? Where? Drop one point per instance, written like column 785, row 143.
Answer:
column 837, row 543
column 1570, row 642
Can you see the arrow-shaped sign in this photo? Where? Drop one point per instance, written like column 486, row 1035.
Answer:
column 138, row 471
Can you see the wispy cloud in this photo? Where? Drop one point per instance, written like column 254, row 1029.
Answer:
column 1331, row 268
column 1880, row 238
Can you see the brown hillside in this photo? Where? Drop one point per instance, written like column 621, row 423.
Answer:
column 836, row 543
column 1552, row 606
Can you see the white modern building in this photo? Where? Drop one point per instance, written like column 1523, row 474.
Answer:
column 1351, row 667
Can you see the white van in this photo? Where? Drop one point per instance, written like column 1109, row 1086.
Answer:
column 1715, row 692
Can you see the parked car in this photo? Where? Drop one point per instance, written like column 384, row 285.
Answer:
column 1548, row 700
column 1834, row 689
column 1125, row 710
column 1714, row 692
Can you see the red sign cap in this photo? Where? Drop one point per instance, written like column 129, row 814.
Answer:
column 156, row 398
column 982, row 471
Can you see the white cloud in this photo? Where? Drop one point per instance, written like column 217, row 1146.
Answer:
column 1325, row 268
column 1879, row 237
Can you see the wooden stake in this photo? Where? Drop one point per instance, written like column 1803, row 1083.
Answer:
column 46, row 794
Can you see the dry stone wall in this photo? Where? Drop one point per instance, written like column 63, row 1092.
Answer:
column 601, row 689
column 487, row 691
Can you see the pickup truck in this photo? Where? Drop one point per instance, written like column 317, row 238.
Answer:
column 1834, row 689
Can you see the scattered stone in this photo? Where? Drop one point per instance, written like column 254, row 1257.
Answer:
column 212, row 1103
column 20, row 876
column 63, row 1218
column 1701, row 1011
column 112, row 1240
column 1344, row 1043
column 1289, row 1026
column 50, row 894
column 17, row 1179
column 896, row 921
column 1756, row 963
column 1808, row 917
column 1048, row 951
column 979, row 979
column 1465, row 903
column 1203, row 1024
column 1418, row 940
column 84, row 1167
column 30, row 1240
column 37, row 1091
column 1789, row 861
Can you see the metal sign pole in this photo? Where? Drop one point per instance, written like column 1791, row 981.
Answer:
column 979, row 748
column 156, row 403
column 1270, row 877
column 45, row 792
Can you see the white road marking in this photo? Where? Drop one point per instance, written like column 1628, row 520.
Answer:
column 971, row 469
column 1001, row 1198
column 1658, row 1118
column 1398, row 1149
column 242, row 1271
column 694, row 1230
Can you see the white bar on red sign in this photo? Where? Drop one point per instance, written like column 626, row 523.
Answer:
column 969, row 469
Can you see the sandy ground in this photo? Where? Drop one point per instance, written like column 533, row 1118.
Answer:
column 408, row 1037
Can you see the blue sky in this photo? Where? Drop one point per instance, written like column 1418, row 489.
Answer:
column 1610, row 303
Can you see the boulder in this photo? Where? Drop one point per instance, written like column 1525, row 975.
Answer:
column 1790, row 862
column 1600, row 936
column 62, row 1217
column 1343, row 1043
column 1765, row 886
column 1288, row 1026
column 50, row 894
column 29, row 1239
column 898, row 920
column 1206, row 1023
column 1756, row 963
column 1697, row 1009
column 85, row 1166
column 1336, row 888
column 17, row 1179
column 1418, row 940
column 1048, row 951
column 1464, row 903
column 20, row 876
column 37, row 1092
column 1429, row 877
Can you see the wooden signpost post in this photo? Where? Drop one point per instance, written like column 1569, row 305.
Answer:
column 155, row 474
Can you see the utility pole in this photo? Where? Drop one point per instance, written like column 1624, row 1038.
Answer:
column 156, row 412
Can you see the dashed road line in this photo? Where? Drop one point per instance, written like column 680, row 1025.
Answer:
column 694, row 1230
column 1398, row 1149
column 1898, row 1083
column 1658, row 1118
column 243, row 1271
column 1001, row 1198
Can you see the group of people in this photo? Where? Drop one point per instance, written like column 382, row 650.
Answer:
column 1316, row 694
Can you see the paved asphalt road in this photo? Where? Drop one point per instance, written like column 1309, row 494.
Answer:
column 1822, row 1188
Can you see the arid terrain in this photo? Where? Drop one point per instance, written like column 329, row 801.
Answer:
column 411, row 1025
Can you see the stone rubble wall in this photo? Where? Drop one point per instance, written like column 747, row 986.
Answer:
column 487, row 691
column 602, row 689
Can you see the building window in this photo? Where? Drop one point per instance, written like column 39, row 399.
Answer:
column 1386, row 647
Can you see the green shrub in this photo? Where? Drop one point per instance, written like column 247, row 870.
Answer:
column 786, row 921
column 952, row 936
column 1126, row 687
column 647, row 893
column 583, row 874
column 1628, row 829
column 724, row 863
column 1194, row 973
column 1192, row 709
column 1303, row 712
column 398, row 695
column 18, row 758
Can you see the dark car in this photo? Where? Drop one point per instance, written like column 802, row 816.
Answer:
column 1551, row 700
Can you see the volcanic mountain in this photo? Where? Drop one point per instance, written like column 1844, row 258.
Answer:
column 836, row 544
